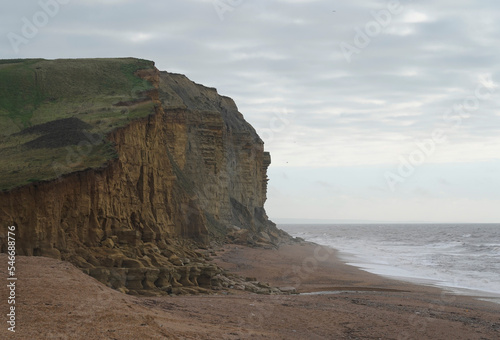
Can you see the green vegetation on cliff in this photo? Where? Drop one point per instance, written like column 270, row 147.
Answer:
column 54, row 114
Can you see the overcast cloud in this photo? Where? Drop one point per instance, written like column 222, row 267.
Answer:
column 338, row 124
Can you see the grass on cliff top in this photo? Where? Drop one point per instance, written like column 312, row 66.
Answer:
column 54, row 114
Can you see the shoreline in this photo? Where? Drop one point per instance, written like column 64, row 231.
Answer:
column 56, row 300
column 331, row 277
column 423, row 281
column 307, row 276
column 419, row 256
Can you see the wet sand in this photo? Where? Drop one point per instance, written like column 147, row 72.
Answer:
column 54, row 300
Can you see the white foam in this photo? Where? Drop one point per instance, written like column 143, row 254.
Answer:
column 436, row 256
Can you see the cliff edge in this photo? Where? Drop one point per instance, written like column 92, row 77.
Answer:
column 128, row 172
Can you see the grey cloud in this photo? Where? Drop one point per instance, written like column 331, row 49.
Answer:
column 286, row 54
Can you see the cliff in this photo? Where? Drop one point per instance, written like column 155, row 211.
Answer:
column 129, row 187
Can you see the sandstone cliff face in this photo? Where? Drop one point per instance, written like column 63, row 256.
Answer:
column 192, row 172
column 220, row 154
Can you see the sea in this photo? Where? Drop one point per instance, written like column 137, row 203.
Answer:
column 463, row 258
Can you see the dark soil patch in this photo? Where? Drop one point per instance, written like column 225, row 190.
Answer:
column 60, row 124
column 60, row 133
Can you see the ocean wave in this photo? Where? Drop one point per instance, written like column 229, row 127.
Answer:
column 459, row 256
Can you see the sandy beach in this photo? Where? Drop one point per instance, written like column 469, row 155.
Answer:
column 55, row 300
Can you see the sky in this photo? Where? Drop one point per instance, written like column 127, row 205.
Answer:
column 376, row 111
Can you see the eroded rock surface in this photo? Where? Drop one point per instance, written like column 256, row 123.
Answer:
column 190, row 175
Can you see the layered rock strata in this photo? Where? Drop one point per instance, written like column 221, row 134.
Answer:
column 190, row 174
